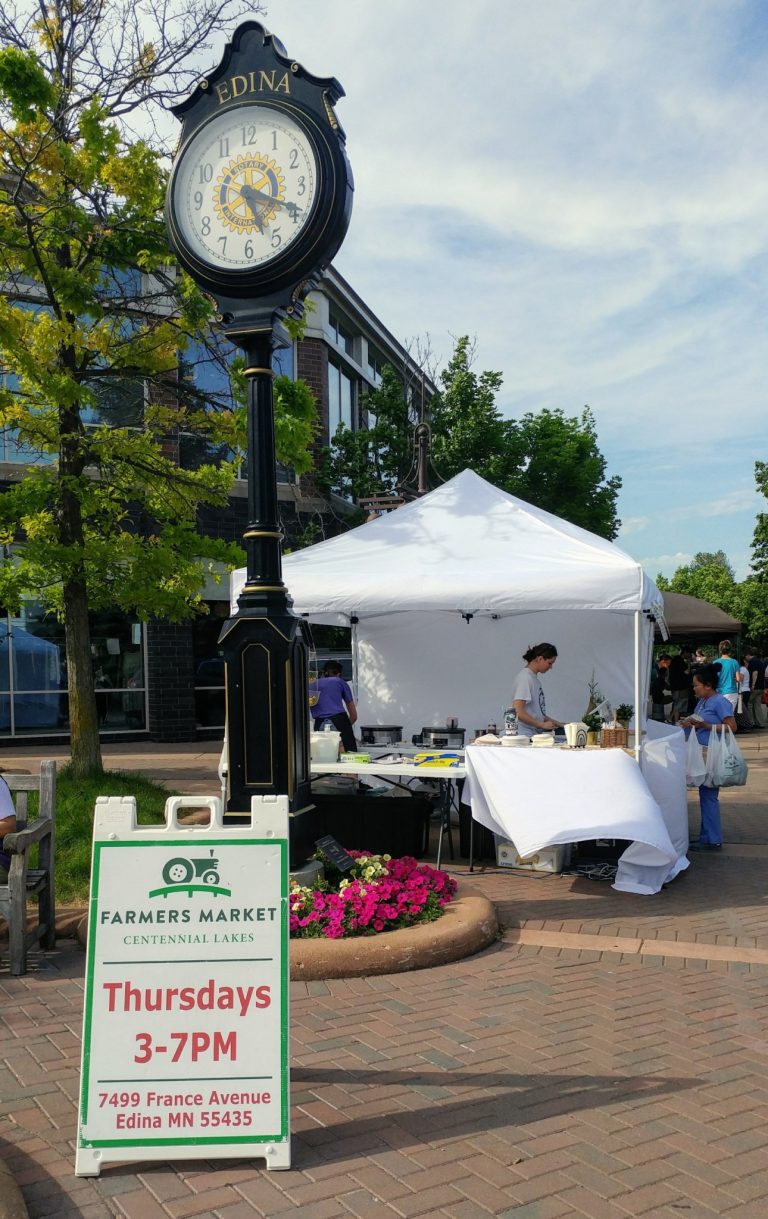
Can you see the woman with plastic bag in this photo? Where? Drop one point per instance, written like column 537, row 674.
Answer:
column 712, row 714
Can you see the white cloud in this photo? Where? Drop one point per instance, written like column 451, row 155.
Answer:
column 633, row 524
column 667, row 564
column 724, row 505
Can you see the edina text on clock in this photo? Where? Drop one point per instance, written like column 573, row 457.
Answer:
column 254, row 82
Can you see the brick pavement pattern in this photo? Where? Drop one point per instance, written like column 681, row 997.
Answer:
column 535, row 1080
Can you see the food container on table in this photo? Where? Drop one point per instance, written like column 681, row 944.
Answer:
column 324, row 746
column 542, row 740
column 515, row 742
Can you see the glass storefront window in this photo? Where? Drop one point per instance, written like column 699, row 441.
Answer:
column 210, row 698
column 118, row 670
column 33, row 673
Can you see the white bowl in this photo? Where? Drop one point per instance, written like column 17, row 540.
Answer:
column 512, row 742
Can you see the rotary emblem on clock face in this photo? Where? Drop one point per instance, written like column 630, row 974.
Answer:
column 249, row 192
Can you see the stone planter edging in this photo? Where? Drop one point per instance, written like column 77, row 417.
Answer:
column 468, row 925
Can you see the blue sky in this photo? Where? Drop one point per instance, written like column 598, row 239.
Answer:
column 583, row 186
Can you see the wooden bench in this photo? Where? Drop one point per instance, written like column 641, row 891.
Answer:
column 25, row 882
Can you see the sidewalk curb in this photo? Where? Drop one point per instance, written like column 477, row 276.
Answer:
column 12, row 1204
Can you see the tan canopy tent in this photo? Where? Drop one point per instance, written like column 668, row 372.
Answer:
column 691, row 618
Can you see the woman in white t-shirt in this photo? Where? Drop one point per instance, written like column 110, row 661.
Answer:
column 527, row 694
column 744, row 681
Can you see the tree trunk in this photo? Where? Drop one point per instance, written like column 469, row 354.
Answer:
column 83, row 716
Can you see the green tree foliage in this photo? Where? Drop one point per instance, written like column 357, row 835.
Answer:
column 760, row 538
column 750, row 606
column 296, row 423
column 371, row 461
column 468, row 431
column 563, row 470
column 710, row 577
column 92, row 321
column 549, row 459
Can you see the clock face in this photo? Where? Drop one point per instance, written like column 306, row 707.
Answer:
column 244, row 187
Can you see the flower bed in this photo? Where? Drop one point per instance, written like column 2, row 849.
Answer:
column 378, row 894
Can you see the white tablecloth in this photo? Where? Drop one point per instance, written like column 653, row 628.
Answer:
column 538, row 798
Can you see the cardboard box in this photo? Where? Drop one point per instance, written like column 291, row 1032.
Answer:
column 549, row 859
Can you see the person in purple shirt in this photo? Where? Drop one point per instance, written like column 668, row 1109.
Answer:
column 711, row 713
column 335, row 703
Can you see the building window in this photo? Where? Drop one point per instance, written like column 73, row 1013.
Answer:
column 376, row 364
column 283, row 362
column 341, row 334
column 11, row 447
column 210, row 378
column 33, row 673
column 210, row 695
column 342, row 399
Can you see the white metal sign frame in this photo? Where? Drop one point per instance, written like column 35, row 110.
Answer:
column 185, row 1027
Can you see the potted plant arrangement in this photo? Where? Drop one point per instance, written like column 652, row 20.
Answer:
column 624, row 713
column 593, row 723
column 595, row 697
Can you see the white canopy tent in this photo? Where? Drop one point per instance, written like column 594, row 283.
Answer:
column 445, row 594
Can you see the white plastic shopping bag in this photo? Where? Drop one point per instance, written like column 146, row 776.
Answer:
column 713, row 751
column 695, row 766
column 731, row 766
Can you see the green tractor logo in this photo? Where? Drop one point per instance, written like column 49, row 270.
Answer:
column 194, row 875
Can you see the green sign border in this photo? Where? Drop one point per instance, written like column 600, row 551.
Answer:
column 196, row 1141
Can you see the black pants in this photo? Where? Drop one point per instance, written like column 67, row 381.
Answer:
column 341, row 724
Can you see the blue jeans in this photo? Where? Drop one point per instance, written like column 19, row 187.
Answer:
column 711, row 829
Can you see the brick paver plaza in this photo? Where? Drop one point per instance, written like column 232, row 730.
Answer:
column 607, row 1057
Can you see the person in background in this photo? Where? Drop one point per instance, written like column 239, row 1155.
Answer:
column 527, row 694
column 335, row 703
column 679, row 673
column 742, row 706
column 757, row 666
column 728, row 680
column 660, row 692
column 7, row 826
column 711, row 713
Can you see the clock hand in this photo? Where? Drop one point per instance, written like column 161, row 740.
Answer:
column 254, row 197
column 251, row 196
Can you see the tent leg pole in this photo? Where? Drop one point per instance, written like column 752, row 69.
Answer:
column 353, row 623
column 639, row 717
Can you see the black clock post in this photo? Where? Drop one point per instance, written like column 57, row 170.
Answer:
column 258, row 203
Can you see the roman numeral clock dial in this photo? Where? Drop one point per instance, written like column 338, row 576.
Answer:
column 244, row 188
